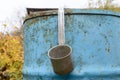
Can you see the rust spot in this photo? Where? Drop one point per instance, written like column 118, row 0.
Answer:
column 99, row 24
column 69, row 11
column 47, row 34
column 98, row 49
column 33, row 21
column 79, row 62
column 51, row 45
column 79, row 70
column 92, row 56
column 107, row 49
column 42, row 13
column 46, row 17
column 112, row 66
column 85, row 32
column 39, row 61
column 70, row 41
column 48, row 68
column 107, row 43
column 34, row 10
column 82, row 27
column 69, row 23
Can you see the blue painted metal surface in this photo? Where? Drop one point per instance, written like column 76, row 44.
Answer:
column 94, row 36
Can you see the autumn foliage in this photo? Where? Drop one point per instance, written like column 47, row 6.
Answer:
column 11, row 55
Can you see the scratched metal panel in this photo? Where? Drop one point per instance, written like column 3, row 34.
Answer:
column 94, row 36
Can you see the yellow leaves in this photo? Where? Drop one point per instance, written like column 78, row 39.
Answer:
column 5, row 25
column 2, row 50
column 15, row 27
column 11, row 53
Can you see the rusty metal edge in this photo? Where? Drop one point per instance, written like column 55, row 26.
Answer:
column 32, row 10
column 71, row 12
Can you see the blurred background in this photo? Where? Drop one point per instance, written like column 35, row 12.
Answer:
column 12, row 15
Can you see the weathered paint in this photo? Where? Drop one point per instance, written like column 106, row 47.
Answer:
column 94, row 36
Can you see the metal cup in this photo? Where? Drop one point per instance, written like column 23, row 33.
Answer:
column 60, row 56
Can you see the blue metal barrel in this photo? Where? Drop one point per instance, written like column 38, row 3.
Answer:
column 94, row 36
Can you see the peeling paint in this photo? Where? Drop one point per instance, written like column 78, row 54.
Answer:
column 39, row 61
column 35, row 20
column 107, row 48
column 91, row 34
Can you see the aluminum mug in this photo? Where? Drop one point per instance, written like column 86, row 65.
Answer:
column 61, row 60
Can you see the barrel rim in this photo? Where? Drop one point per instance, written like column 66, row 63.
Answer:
column 68, row 11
